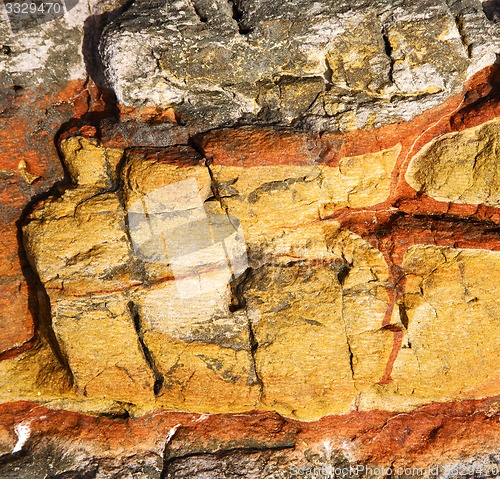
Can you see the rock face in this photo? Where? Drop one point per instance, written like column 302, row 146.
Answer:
column 219, row 287
column 249, row 238
column 43, row 84
column 459, row 167
column 180, row 323
column 26, row 153
column 335, row 65
column 268, row 197
column 470, row 306
column 434, row 441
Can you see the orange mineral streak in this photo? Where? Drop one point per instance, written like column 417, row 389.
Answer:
column 23, row 139
column 258, row 146
column 181, row 156
column 478, row 103
column 151, row 114
column 453, row 117
column 89, row 108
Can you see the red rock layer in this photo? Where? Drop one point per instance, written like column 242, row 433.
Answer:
column 29, row 121
column 434, row 435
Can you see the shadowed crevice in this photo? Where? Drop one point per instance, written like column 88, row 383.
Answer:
column 239, row 17
column 403, row 316
column 459, row 22
column 492, row 10
column 92, row 32
column 388, row 52
column 159, row 379
column 38, row 299
column 219, row 462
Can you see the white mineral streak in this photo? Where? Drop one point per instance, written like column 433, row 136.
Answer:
column 23, row 433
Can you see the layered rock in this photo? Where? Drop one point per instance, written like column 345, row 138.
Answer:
column 456, row 284
column 321, row 321
column 290, row 208
column 268, row 194
column 45, row 61
column 160, row 267
column 438, row 440
column 338, row 65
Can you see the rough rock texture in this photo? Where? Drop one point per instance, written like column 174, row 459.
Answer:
column 337, row 64
column 453, row 283
column 459, row 167
column 439, row 440
column 107, row 269
column 269, row 197
column 310, row 283
column 44, row 73
column 221, row 220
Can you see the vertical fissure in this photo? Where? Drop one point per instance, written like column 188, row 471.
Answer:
column 39, row 303
column 463, row 35
column 388, row 51
column 239, row 17
column 148, row 356
column 328, row 75
column 200, row 13
column 403, row 316
column 254, row 344
column 238, row 303
column 342, row 274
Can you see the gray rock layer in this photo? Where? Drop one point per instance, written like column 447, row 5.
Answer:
column 330, row 64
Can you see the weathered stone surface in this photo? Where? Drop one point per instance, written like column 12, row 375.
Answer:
column 147, row 170
column 62, row 236
column 81, row 311
column 303, row 313
column 203, row 376
column 312, row 328
column 85, row 291
column 451, row 347
column 261, row 146
column 303, row 357
column 460, row 167
column 43, row 85
column 364, row 278
column 111, row 366
column 269, row 198
column 103, row 365
column 16, row 324
column 339, row 64
column 141, row 303
column 91, row 165
column 34, row 374
column 36, row 442
column 274, row 263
